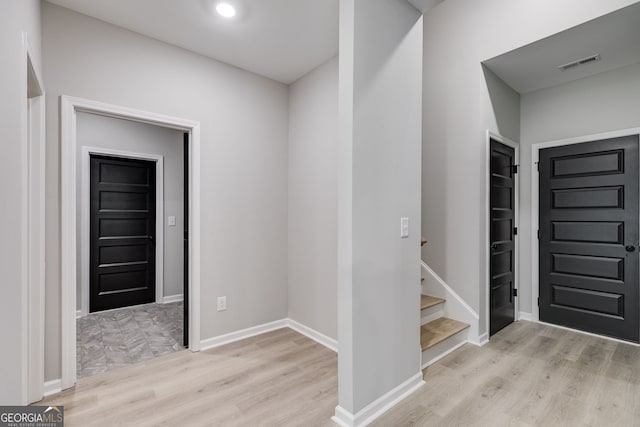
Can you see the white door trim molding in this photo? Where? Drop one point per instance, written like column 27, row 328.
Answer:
column 535, row 205
column 69, row 106
column 33, row 148
column 516, row 268
column 85, row 198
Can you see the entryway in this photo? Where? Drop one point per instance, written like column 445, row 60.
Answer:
column 132, row 250
column 128, row 291
column 588, row 237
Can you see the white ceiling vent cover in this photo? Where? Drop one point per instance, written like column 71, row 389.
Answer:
column 580, row 62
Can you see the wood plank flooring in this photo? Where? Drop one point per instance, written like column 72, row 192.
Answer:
column 528, row 375
column 427, row 301
column 438, row 330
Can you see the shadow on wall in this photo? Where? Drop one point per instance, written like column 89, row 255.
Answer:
column 506, row 105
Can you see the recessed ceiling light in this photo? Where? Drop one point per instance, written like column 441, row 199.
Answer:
column 226, row 10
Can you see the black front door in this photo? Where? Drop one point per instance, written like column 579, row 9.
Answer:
column 589, row 237
column 123, row 221
column 502, row 231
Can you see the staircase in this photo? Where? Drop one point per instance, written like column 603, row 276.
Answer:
column 439, row 335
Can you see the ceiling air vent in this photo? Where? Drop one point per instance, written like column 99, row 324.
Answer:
column 580, row 62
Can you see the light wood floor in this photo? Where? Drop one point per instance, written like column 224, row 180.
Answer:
column 528, row 375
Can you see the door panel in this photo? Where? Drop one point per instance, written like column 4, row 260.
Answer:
column 123, row 217
column 589, row 237
column 501, row 215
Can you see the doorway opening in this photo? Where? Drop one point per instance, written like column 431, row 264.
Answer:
column 125, row 261
column 131, row 243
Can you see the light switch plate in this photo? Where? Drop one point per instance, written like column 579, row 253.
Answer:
column 171, row 221
column 404, row 228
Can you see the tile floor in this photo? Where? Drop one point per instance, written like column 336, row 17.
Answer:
column 112, row 339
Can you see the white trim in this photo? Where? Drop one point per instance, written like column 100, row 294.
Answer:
column 318, row 337
column 375, row 409
column 79, row 314
column 52, row 387
column 242, row 334
column 482, row 340
column 33, row 178
column 525, row 316
column 487, row 226
column 173, row 298
column 449, row 290
column 85, row 212
column 68, row 108
column 535, row 208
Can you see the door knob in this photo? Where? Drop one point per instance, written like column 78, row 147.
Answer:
column 494, row 247
column 630, row 248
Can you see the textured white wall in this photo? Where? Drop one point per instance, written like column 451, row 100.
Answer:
column 244, row 126
column 601, row 103
column 16, row 17
column 313, row 199
column 379, row 182
column 106, row 132
column 457, row 111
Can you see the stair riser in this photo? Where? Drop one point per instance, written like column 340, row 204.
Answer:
column 440, row 350
column 431, row 313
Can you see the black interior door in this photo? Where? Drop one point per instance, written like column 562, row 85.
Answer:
column 185, row 329
column 502, row 251
column 122, row 230
column 589, row 237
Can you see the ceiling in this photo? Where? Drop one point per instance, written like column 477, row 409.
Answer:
column 424, row 5
column 616, row 37
column 279, row 39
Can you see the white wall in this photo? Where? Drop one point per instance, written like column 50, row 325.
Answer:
column 16, row 17
column 458, row 36
column 244, row 123
column 313, row 188
column 379, row 182
column 105, row 132
column 605, row 102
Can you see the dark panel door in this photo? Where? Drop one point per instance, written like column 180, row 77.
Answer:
column 185, row 330
column 502, row 250
column 589, row 237
column 123, row 218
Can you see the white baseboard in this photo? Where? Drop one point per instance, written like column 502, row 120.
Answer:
column 172, row 298
column 318, row 337
column 78, row 314
column 369, row 413
column 52, row 387
column 525, row 316
column 210, row 343
column 481, row 340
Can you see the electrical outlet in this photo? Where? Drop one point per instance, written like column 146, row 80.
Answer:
column 222, row 303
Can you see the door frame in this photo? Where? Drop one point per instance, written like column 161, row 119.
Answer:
column 69, row 106
column 535, row 204
column 487, row 238
column 33, row 138
column 85, row 218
